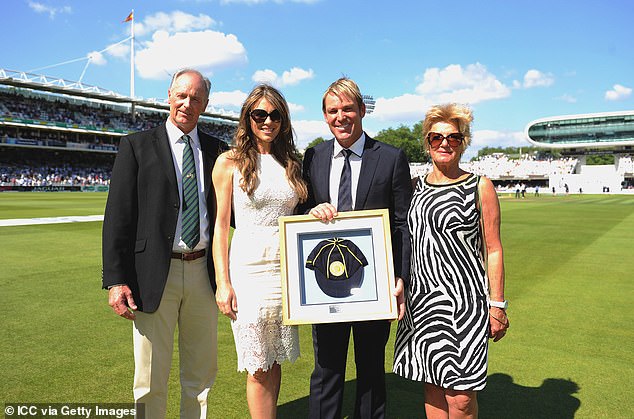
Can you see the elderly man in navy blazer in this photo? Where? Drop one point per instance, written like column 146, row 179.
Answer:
column 355, row 172
column 156, row 260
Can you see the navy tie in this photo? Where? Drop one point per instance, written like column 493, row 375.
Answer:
column 191, row 218
column 345, row 185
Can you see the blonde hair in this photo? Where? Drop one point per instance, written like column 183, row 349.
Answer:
column 343, row 87
column 459, row 115
column 283, row 148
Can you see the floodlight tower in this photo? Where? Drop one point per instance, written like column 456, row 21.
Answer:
column 369, row 103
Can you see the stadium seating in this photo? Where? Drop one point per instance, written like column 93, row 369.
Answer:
column 48, row 139
column 54, row 140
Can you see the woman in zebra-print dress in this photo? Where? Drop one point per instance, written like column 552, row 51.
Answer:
column 455, row 301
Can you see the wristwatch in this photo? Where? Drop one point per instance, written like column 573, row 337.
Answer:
column 499, row 304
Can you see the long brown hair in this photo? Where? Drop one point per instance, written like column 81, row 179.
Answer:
column 283, row 148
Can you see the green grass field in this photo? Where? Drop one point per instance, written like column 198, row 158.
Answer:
column 569, row 351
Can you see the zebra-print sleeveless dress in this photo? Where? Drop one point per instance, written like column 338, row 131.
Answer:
column 442, row 339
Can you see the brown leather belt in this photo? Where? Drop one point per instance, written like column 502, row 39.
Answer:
column 189, row 256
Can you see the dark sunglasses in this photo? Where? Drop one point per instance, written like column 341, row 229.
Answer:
column 260, row 115
column 454, row 139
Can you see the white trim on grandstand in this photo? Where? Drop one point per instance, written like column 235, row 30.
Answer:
column 20, row 78
column 579, row 136
column 594, row 130
column 41, row 83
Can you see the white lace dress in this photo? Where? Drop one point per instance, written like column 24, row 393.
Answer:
column 254, row 267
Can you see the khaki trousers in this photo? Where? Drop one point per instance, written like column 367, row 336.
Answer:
column 188, row 301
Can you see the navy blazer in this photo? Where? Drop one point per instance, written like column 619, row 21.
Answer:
column 142, row 212
column 384, row 182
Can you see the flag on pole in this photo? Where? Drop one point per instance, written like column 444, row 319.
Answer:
column 130, row 17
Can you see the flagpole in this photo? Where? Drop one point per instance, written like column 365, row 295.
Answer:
column 132, row 57
column 132, row 63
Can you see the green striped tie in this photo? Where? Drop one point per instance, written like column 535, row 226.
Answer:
column 190, row 220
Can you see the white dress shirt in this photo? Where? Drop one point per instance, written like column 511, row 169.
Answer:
column 178, row 145
column 338, row 160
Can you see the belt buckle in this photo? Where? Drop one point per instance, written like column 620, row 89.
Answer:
column 182, row 256
column 196, row 254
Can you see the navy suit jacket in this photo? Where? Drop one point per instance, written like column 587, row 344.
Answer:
column 142, row 212
column 384, row 182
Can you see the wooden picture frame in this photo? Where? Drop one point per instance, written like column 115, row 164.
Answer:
column 356, row 245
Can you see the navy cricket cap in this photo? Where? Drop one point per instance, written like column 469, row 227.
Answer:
column 338, row 265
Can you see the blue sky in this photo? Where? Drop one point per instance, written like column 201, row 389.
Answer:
column 512, row 61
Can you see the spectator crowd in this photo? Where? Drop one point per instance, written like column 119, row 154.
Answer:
column 42, row 168
column 69, row 142
column 46, row 168
column 90, row 115
column 499, row 166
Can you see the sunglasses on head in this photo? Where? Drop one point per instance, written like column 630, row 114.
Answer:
column 260, row 115
column 454, row 139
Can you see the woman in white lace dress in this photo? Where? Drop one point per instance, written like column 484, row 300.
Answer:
column 261, row 177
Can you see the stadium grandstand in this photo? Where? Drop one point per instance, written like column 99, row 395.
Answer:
column 512, row 174
column 61, row 135
column 574, row 138
column 579, row 136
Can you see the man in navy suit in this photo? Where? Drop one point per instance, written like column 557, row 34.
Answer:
column 155, row 276
column 377, row 176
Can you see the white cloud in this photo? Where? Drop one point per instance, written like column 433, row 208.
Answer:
column 306, row 131
column 119, row 50
column 290, row 77
column 618, row 92
column 39, row 7
column 264, row 76
column 52, row 11
column 175, row 21
column 567, row 98
column 454, row 83
column 295, row 108
column 178, row 40
column 407, row 107
column 535, row 78
column 296, row 75
column 97, row 58
column 232, row 99
column 471, row 84
column 205, row 51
